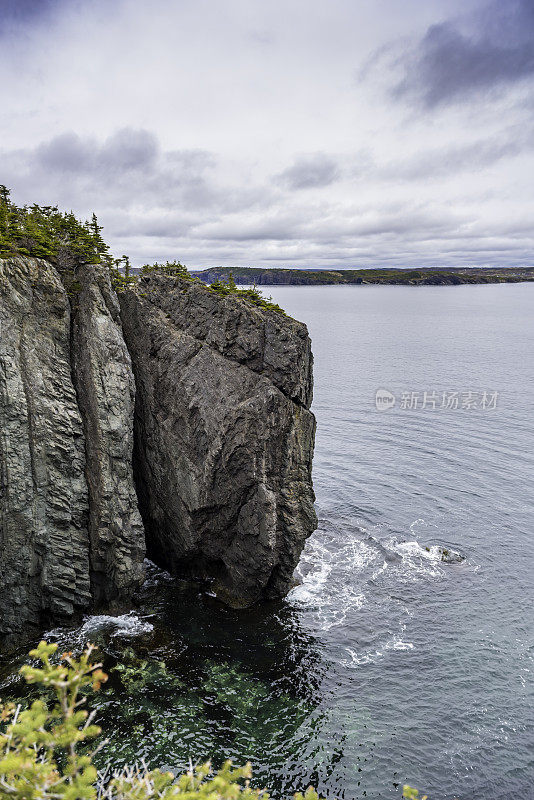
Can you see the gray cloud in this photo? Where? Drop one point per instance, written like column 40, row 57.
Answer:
column 309, row 172
column 159, row 204
column 450, row 65
column 122, row 152
column 138, row 190
column 129, row 165
column 436, row 163
column 19, row 13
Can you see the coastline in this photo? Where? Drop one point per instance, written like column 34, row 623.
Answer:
column 389, row 277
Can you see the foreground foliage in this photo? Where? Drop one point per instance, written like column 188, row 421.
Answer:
column 44, row 752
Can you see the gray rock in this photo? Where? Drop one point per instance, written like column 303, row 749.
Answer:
column 223, row 435
column 222, row 448
column 63, row 547
column 106, row 395
column 450, row 556
column 44, row 542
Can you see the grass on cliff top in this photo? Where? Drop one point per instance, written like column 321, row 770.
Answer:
column 67, row 243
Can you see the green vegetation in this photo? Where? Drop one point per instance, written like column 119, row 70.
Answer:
column 60, row 238
column 175, row 269
column 54, row 235
column 224, row 288
column 45, row 232
column 252, row 294
column 47, row 752
column 44, row 753
column 412, row 794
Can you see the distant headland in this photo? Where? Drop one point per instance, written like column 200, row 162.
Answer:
column 424, row 276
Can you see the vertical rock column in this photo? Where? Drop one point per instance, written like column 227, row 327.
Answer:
column 44, row 541
column 106, row 393
column 71, row 537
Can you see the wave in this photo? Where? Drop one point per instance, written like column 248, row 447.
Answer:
column 123, row 625
column 102, row 625
column 358, row 659
column 351, row 576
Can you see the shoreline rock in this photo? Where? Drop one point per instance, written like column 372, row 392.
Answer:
column 224, row 436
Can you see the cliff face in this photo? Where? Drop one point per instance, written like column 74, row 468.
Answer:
column 221, row 448
column 70, row 532
column 44, row 549
column 106, row 394
column 223, row 435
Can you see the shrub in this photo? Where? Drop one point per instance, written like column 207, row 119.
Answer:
column 174, row 268
column 252, row 295
column 224, row 288
column 412, row 794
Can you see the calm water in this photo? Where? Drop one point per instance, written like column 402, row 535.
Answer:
column 386, row 665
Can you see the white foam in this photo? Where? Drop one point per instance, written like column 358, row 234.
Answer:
column 328, row 589
column 123, row 625
column 372, row 656
column 417, row 561
column 128, row 625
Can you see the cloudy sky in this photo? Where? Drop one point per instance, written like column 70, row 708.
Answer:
column 318, row 133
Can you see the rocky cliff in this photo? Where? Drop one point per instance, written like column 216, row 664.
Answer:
column 105, row 390
column 70, row 532
column 223, row 435
column 220, row 456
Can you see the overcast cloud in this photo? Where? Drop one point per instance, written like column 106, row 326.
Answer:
column 346, row 133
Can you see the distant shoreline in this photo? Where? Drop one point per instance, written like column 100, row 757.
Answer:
column 426, row 276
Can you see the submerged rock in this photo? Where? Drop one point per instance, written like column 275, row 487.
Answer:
column 223, row 435
column 450, row 556
column 445, row 555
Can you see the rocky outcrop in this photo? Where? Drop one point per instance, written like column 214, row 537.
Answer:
column 106, row 394
column 215, row 430
column 223, row 435
column 65, row 422
column 44, row 549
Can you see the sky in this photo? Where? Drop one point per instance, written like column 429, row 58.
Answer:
column 277, row 133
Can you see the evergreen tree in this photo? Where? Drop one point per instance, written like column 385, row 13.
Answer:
column 45, row 232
